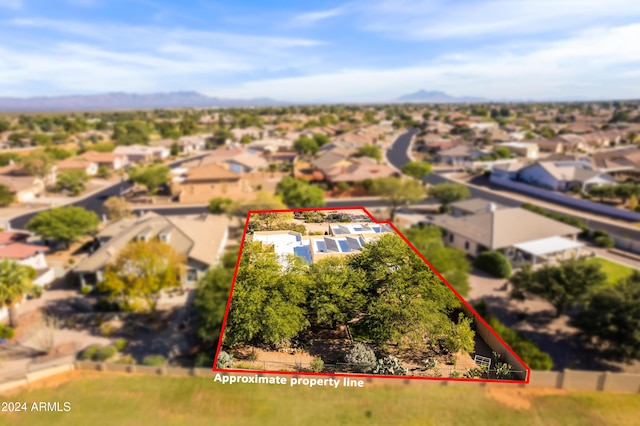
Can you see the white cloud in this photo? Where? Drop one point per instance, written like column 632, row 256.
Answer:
column 11, row 4
column 310, row 18
column 436, row 19
column 587, row 65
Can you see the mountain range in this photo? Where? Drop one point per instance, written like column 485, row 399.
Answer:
column 127, row 101
column 424, row 96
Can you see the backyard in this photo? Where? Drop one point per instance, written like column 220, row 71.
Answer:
column 97, row 398
column 614, row 271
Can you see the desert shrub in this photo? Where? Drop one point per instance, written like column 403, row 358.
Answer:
column 494, row 263
column 389, row 366
column 104, row 353
column 120, row 344
column 6, row 332
column 107, row 329
column 342, row 186
column 503, row 371
column 154, row 360
column 430, row 364
column 599, row 233
column 606, row 242
column 252, row 356
column 225, row 360
column 35, row 292
column 362, row 356
column 317, row 365
column 455, row 374
column 89, row 353
column 71, row 261
column 126, row 359
column 472, row 373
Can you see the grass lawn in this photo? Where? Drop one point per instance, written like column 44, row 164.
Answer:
column 615, row 271
column 103, row 398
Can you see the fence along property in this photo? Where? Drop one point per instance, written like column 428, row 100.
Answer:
column 568, row 379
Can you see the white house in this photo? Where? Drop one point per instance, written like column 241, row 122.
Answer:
column 563, row 175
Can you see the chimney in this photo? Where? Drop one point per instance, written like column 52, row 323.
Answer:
column 491, row 207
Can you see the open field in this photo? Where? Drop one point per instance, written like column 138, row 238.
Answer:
column 614, row 271
column 103, row 398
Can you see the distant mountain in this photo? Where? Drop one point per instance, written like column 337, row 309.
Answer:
column 424, row 96
column 127, row 101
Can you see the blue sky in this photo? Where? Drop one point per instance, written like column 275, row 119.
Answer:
column 329, row 51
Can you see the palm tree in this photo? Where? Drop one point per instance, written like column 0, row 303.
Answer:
column 15, row 281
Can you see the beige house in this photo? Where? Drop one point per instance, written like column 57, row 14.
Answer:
column 528, row 150
column 201, row 184
column 521, row 235
column 106, row 159
column 24, row 187
column 78, row 163
column 201, row 239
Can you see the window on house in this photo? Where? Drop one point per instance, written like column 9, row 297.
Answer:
column 466, row 245
column 450, row 238
column 192, row 275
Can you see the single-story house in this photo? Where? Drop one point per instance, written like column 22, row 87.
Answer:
column 459, row 155
column 521, row 235
column 78, row 163
column 563, row 176
column 106, row 159
column 24, row 187
column 142, row 153
column 14, row 246
column 360, row 170
column 528, row 150
column 201, row 239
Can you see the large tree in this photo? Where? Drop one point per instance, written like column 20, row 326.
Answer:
column 612, row 318
column 72, row 180
column 151, row 176
column 39, row 165
column 6, row 196
column 63, row 224
column 306, row 145
column 563, row 286
column 142, row 270
column 15, row 281
column 299, row 193
column 417, row 169
column 449, row 192
column 211, row 302
column 371, row 151
column 116, row 208
column 408, row 304
column 398, row 192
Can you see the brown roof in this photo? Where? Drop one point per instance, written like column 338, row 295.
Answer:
column 74, row 163
column 210, row 173
column 12, row 237
column 20, row 251
column 359, row 172
column 101, row 157
column 15, row 179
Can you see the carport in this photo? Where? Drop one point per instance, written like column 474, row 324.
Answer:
column 546, row 247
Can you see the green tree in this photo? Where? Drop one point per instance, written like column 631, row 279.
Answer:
column 131, row 133
column 151, row 176
column 494, row 263
column 72, row 180
column 449, row 192
column 6, row 196
column 547, row 132
column 142, row 270
column 4, row 125
column 299, row 193
column 563, row 286
column 306, row 145
column 63, row 224
column 417, row 169
column 398, row 192
column 211, row 302
column 188, row 126
column 41, row 139
column 408, row 303
column 39, row 165
column 321, row 139
column 612, row 317
column 450, row 262
column 175, row 149
column 219, row 205
column 371, row 151
column 337, row 293
column 15, row 281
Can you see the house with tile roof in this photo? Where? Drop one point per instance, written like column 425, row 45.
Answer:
column 563, row 175
column 200, row 239
column 14, row 246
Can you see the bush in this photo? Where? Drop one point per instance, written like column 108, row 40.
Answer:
column 125, row 359
column 493, row 263
column 606, row 242
column 503, row 371
column 85, row 289
column 362, row 356
column 71, row 261
column 225, row 360
column 104, row 353
column 599, row 233
column 455, row 374
column 473, row 373
column 89, row 353
column 389, row 366
column 253, row 355
column 203, row 360
column 35, row 292
column 120, row 344
column 342, row 186
column 107, row 329
column 154, row 360
column 317, row 365
column 6, row 332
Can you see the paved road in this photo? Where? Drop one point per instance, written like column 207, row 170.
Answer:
column 94, row 202
column 398, row 152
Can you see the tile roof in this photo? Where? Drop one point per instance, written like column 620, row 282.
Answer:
column 20, row 251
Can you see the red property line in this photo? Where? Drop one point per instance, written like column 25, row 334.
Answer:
column 373, row 376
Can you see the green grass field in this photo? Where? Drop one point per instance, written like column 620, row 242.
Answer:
column 615, row 271
column 141, row 400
